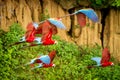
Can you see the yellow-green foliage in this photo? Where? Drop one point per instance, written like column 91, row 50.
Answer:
column 71, row 61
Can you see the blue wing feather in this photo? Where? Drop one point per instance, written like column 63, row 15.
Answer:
column 97, row 59
column 57, row 23
column 90, row 13
column 45, row 59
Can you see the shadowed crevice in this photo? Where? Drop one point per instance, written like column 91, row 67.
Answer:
column 41, row 4
column 72, row 22
column 104, row 13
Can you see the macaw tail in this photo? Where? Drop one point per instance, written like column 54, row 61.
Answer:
column 89, row 67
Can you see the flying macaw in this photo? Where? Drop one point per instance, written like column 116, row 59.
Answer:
column 104, row 61
column 47, row 28
column 82, row 14
column 44, row 61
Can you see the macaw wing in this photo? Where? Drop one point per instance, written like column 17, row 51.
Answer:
column 57, row 23
column 97, row 60
column 90, row 13
column 45, row 59
column 105, row 55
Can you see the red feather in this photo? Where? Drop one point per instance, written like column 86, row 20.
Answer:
column 52, row 55
column 30, row 33
column 45, row 28
column 47, row 65
column 30, row 27
column 81, row 18
column 105, row 56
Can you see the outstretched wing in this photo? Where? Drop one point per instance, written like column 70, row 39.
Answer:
column 57, row 23
column 90, row 13
column 97, row 60
column 46, row 30
column 81, row 16
column 105, row 55
column 45, row 59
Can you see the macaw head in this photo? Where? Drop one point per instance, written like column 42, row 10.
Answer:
column 107, row 64
column 56, row 42
column 58, row 19
column 53, row 65
column 48, row 65
column 111, row 63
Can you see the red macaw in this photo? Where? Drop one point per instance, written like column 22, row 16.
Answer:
column 82, row 14
column 47, row 28
column 104, row 61
column 44, row 61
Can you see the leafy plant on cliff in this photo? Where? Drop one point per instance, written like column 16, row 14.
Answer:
column 44, row 16
column 104, row 3
column 116, row 3
column 98, row 3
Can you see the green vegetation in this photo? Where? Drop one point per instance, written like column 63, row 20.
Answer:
column 71, row 60
column 98, row 3
column 105, row 3
column 44, row 15
column 116, row 3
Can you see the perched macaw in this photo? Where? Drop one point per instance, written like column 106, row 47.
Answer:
column 46, row 28
column 104, row 61
column 44, row 61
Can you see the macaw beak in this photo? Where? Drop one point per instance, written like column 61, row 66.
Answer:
column 112, row 64
column 53, row 65
column 59, row 19
column 56, row 42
